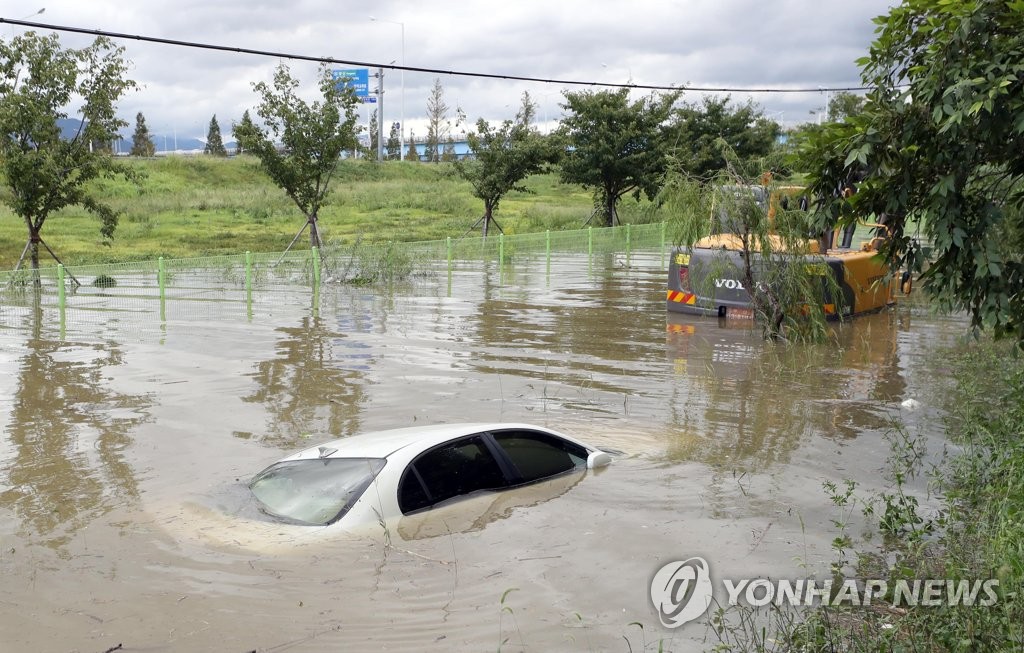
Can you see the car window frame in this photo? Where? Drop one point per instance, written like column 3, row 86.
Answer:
column 513, row 477
column 504, row 467
column 519, row 475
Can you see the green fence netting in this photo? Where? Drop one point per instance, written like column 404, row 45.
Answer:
column 225, row 287
column 205, row 287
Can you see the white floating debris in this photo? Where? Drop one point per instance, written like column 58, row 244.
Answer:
column 911, row 404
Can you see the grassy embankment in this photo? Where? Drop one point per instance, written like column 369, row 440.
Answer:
column 977, row 534
column 200, row 206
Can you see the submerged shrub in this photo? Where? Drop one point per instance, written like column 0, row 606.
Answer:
column 104, row 281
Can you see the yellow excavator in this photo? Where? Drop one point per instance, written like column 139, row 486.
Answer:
column 705, row 279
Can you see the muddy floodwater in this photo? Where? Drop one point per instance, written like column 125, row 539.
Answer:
column 127, row 443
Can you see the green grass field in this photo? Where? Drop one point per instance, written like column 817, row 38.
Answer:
column 202, row 206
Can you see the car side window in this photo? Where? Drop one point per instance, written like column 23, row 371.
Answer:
column 451, row 470
column 539, row 455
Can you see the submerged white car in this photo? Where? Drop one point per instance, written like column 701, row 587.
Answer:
column 377, row 476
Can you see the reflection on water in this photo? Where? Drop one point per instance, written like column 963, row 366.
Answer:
column 752, row 402
column 66, row 432
column 474, row 513
column 124, row 458
column 303, row 388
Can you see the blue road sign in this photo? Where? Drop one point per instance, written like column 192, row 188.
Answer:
column 358, row 79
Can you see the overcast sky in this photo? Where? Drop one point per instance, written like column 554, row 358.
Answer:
column 719, row 43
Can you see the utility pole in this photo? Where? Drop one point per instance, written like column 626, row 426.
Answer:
column 380, row 114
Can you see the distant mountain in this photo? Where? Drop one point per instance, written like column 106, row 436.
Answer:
column 68, row 127
column 163, row 142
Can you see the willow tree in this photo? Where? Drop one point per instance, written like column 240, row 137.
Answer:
column 303, row 142
column 42, row 85
column 759, row 243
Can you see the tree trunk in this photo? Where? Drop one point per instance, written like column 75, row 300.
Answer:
column 314, row 232
column 34, row 239
column 609, row 209
column 488, row 213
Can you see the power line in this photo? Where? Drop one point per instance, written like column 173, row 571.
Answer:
column 416, row 69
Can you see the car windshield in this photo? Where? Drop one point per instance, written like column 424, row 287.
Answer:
column 316, row 491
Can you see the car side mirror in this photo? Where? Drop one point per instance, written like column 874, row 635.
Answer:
column 598, row 459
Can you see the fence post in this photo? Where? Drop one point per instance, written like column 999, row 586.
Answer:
column 248, row 285
column 547, row 253
column 161, row 282
column 60, row 287
column 160, row 278
column 315, row 299
column 627, row 242
column 316, row 267
column 590, row 250
column 448, row 246
column 60, row 299
column 501, row 251
column 248, row 271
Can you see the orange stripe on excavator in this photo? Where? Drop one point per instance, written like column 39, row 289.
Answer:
column 682, row 297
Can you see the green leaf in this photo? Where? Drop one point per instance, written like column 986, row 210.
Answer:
column 957, row 235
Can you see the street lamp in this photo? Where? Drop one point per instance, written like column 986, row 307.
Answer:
column 544, row 103
column 401, row 146
column 34, row 13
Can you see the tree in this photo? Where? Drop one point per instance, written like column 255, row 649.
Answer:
column 437, row 122
column 312, row 138
column 246, row 124
column 762, row 245
column 615, row 147
column 448, row 153
column 142, row 142
column 527, row 113
column 705, row 128
column 501, row 158
column 844, row 105
column 413, row 154
column 938, row 153
column 41, row 83
column 214, row 144
column 393, row 145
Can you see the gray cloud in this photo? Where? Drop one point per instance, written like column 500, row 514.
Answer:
column 736, row 43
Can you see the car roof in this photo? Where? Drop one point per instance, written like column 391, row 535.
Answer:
column 381, row 444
